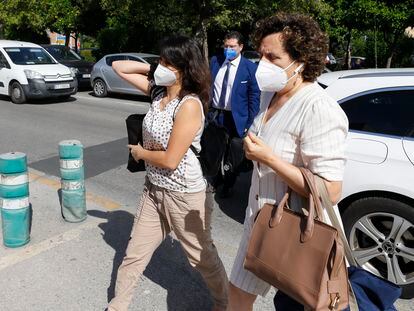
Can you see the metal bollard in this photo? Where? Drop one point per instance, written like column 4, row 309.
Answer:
column 14, row 199
column 72, row 179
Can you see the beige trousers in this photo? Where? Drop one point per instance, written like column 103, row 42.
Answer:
column 159, row 212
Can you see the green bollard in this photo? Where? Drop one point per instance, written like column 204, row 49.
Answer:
column 72, row 179
column 14, row 199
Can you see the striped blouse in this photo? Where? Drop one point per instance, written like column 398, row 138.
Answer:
column 309, row 130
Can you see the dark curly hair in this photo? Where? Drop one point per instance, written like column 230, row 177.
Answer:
column 302, row 37
column 184, row 54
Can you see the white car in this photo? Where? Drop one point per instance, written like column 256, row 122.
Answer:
column 377, row 204
column 28, row 71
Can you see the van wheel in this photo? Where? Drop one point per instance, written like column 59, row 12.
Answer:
column 380, row 232
column 17, row 94
column 99, row 88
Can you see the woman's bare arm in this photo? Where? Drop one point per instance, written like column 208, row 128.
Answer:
column 186, row 125
column 134, row 73
column 258, row 151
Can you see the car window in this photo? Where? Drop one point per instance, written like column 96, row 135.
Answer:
column 62, row 53
column 111, row 59
column 388, row 112
column 134, row 59
column 3, row 61
column 29, row 56
column 151, row 59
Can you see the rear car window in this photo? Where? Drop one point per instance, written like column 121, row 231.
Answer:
column 111, row 59
column 29, row 56
column 151, row 59
column 386, row 112
column 135, row 59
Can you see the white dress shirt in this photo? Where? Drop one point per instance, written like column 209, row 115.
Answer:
column 218, row 82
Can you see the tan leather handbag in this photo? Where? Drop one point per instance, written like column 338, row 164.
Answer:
column 299, row 254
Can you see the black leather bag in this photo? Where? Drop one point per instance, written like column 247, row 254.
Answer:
column 134, row 129
column 213, row 147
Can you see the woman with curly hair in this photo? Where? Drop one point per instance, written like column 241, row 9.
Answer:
column 174, row 194
column 298, row 125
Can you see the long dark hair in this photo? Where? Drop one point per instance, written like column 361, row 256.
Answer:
column 183, row 53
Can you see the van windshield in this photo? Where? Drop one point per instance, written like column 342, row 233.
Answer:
column 29, row 56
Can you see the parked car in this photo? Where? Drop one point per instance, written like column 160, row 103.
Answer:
column 29, row 71
column 377, row 204
column 252, row 56
column 104, row 79
column 66, row 56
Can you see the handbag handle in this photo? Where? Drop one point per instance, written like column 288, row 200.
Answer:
column 314, row 207
column 277, row 215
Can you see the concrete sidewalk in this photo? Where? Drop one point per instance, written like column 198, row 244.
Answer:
column 72, row 266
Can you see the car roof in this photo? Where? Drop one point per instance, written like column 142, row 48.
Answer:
column 134, row 54
column 15, row 44
column 345, row 83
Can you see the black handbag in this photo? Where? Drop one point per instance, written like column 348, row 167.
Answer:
column 213, row 147
column 134, row 129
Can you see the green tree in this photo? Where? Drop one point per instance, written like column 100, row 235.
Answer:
column 386, row 17
column 21, row 19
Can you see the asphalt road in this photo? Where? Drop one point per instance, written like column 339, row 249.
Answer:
column 73, row 266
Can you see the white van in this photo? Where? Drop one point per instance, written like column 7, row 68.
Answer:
column 28, row 71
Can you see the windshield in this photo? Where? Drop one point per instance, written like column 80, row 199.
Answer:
column 29, row 56
column 151, row 59
column 63, row 53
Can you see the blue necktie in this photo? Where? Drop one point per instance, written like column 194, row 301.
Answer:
column 222, row 99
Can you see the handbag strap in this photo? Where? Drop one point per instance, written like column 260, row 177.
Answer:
column 327, row 204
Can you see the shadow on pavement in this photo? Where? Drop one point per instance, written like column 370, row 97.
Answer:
column 42, row 101
column 235, row 205
column 116, row 233
column 168, row 267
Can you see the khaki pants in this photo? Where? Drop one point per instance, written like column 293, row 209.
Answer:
column 159, row 212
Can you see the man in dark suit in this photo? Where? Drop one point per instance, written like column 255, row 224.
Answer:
column 236, row 98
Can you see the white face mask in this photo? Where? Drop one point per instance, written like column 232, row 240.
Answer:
column 164, row 76
column 272, row 78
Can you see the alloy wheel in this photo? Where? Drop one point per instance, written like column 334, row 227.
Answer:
column 383, row 244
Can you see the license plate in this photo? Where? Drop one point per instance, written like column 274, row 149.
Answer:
column 62, row 86
column 86, row 75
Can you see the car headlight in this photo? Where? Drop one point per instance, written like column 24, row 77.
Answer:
column 74, row 71
column 31, row 74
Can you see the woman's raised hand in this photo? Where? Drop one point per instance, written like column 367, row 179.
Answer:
column 256, row 149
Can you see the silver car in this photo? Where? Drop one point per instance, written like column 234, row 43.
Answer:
column 104, row 80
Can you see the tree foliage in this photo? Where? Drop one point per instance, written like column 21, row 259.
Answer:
column 121, row 25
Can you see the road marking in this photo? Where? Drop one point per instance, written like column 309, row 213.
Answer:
column 36, row 249
column 91, row 197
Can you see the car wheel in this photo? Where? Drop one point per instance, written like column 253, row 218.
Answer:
column 380, row 232
column 17, row 94
column 99, row 88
